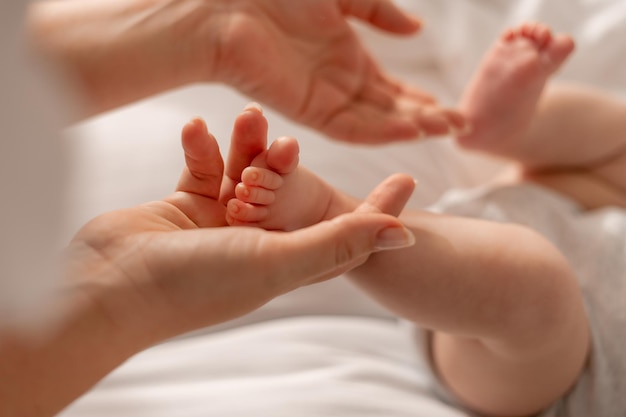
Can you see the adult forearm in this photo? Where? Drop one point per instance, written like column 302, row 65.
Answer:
column 40, row 376
column 120, row 51
column 44, row 371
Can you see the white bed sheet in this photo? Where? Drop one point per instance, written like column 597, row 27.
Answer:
column 133, row 155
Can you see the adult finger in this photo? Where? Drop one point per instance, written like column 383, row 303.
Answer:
column 390, row 196
column 249, row 138
column 381, row 13
column 398, row 88
column 362, row 123
column 204, row 166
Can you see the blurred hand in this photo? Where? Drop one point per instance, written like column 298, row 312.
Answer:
column 300, row 57
column 304, row 59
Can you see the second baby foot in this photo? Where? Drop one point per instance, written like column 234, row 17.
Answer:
column 500, row 101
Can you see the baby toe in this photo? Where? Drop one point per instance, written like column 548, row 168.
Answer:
column 542, row 35
column 254, row 195
column 241, row 213
column 261, row 177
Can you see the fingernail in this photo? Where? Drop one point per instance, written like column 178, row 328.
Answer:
column 253, row 106
column 394, row 238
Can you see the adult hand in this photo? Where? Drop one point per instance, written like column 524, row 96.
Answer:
column 138, row 276
column 305, row 60
column 191, row 272
column 300, row 57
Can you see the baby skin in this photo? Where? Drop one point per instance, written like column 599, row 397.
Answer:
column 501, row 99
column 509, row 332
column 275, row 193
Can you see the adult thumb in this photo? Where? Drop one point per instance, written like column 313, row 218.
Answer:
column 390, row 196
column 331, row 248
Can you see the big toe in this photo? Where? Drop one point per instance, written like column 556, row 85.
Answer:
column 559, row 49
column 283, row 155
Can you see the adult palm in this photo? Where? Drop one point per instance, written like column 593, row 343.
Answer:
column 305, row 60
column 168, row 267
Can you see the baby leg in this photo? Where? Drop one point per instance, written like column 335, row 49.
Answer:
column 569, row 138
column 577, row 145
column 510, row 331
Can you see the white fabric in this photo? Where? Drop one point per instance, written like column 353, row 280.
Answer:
column 306, row 367
column 594, row 243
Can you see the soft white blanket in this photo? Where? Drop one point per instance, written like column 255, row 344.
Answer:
column 348, row 357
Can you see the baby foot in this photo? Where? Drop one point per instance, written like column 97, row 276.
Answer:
column 275, row 193
column 501, row 99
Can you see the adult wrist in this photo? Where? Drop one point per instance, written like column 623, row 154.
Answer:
column 79, row 346
column 97, row 289
column 120, row 51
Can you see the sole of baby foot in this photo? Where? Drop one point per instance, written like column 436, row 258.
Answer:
column 500, row 101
